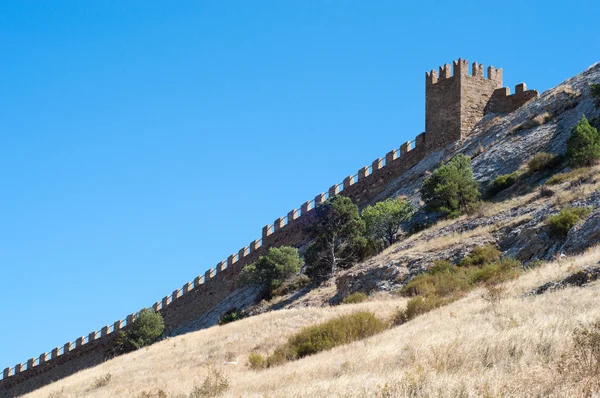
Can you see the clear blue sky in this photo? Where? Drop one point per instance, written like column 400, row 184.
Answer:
column 141, row 142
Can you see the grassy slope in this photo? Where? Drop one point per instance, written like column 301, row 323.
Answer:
column 470, row 347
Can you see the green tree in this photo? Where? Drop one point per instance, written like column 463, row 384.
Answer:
column 147, row 327
column 339, row 241
column 583, row 145
column 383, row 220
column 272, row 269
column 451, row 188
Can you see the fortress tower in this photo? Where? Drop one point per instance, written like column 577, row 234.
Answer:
column 454, row 102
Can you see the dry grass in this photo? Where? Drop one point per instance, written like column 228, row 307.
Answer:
column 477, row 346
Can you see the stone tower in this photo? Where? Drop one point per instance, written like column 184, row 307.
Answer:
column 455, row 102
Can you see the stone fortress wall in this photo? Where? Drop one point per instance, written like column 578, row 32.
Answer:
column 454, row 104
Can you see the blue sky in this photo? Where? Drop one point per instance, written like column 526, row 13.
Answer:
column 141, row 142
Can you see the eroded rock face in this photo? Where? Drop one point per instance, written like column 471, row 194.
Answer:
column 580, row 278
column 583, row 235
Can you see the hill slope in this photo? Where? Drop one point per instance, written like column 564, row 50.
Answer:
column 470, row 348
column 475, row 346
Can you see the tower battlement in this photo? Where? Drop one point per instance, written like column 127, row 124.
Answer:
column 460, row 67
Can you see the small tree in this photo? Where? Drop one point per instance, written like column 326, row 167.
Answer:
column 451, row 188
column 339, row 242
column 583, row 145
column 147, row 327
column 383, row 219
column 272, row 269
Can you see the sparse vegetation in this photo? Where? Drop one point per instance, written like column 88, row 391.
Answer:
column 419, row 305
column 384, row 218
column 582, row 362
column 561, row 223
column 214, row 385
column 57, row 394
column 256, row 361
column 502, row 182
column 293, row 284
column 102, row 381
column 341, row 330
column 577, row 175
column 339, row 243
column 543, row 161
column 583, row 145
column 232, row 315
column 272, row 270
column 355, row 298
column 153, row 394
column 147, row 327
column 481, row 255
column 538, row 120
column 445, row 282
column 451, row 188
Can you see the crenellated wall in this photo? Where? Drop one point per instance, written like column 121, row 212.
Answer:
column 196, row 297
column 453, row 105
column 503, row 101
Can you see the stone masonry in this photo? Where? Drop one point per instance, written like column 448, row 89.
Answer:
column 454, row 103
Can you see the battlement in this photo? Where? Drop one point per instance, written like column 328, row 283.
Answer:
column 502, row 101
column 460, row 67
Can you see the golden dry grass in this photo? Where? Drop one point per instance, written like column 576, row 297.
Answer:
column 465, row 349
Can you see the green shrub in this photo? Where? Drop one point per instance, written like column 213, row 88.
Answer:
column 583, row 145
column 383, row 219
column 495, row 273
column 232, row 315
column 256, row 361
column 417, row 306
column 543, row 161
column 343, row 329
column 481, row 255
column 451, row 188
column 355, row 298
column 561, row 223
column 293, row 284
column 214, row 385
column 339, row 241
column 272, row 269
column 595, row 89
column 147, row 327
column 502, row 182
column 444, row 282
